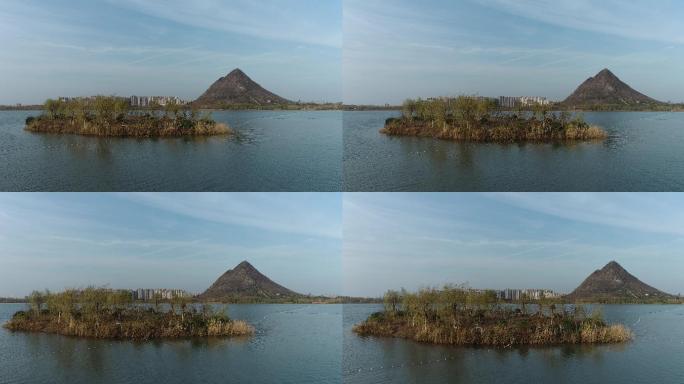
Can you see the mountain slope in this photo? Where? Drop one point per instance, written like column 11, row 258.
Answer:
column 613, row 283
column 237, row 88
column 244, row 282
column 606, row 89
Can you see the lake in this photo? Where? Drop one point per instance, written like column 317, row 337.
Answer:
column 272, row 151
column 645, row 152
column 292, row 344
column 654, row 356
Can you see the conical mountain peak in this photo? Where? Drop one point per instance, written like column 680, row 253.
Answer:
column 236, row 71
column 237, row 74
column 606, row 89
column 245, row 283
column 245, row 265
column 237, row 88
column 613, row 266
column 613, row 283
column 605, row 72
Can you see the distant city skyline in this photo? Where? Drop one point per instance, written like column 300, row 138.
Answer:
column 167, row 240
column 498, row 241
column 398, row 49
column 154, row 47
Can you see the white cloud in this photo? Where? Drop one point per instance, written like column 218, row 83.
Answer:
column 643, row 212
column 268, row 211
column 268, row 19
column 644, row 20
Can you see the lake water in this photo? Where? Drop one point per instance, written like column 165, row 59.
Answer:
column 645, row 152
column 292, row 344
column 654, row 356
column 272, row 151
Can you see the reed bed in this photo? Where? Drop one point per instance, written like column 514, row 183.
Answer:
column 461, row 317
column 109, row 116
column 105, row 314
column 470, row 119
column 130, row 126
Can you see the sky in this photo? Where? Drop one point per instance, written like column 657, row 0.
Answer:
column 498, row 241
column 167, row 240
column 356, row 51
column 396, row 49
column 168, row 47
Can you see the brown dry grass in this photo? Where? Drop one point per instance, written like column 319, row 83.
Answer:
column 131, row 126
column 494, row 328
column 501, row 130
column 132, row 324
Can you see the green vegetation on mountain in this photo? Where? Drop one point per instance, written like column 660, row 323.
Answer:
column 110, row 116
column 473, row 119
column 109, row 314
column 459, row 316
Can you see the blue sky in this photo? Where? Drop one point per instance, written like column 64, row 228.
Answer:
column 172, row 240
column 528, row 240
column 364, row 52
column 158, row 47
column 394, row 49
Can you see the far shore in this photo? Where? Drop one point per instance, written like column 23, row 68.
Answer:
column 386, row 107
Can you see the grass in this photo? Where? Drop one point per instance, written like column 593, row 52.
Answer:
column 471, row 119
column 131, row 324
column 109, row 116
column 107, row 314
column 506, row 129
column 128, row 126
column 460, row 317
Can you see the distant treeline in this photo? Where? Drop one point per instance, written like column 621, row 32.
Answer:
column 12, row 300
column 654, row 107
column 626, row 300
column 276, row 107
column 303, row 299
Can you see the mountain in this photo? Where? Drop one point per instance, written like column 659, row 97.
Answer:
column 606, row 89
column 245, row 283
column 613, row 283
column 237, row 88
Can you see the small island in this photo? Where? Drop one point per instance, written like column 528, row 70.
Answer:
column 460, row 316
column 474, row 119
column 110, row 116
column 108, row 314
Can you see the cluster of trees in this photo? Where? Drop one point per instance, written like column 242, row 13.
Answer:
column 431, row 305
column 103, row 108
column 466, row 109
column 107, row 313
column 112, row 108
column 473, row 111
column 458, row 315
column 91, row 303
column 471, row 118
column 111, row 116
